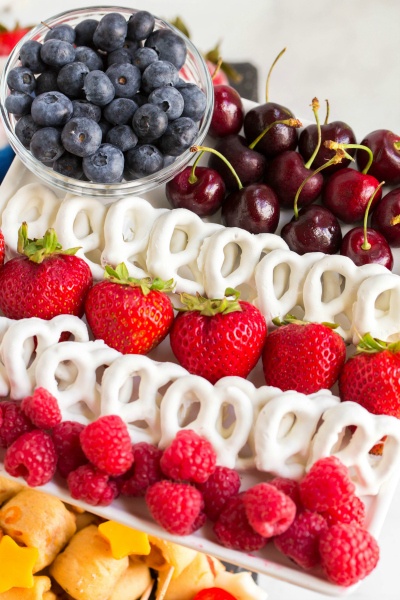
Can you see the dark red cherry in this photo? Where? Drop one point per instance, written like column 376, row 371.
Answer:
column 254, row 208
column 248, row 164
column 228, row 113
column 315, row 229
column 338, row 131
column 204, row 196
column 279, row 138
column 385, row 146
column 377, row 250
column 347, row 192
column 388, row 209
column 286, row 173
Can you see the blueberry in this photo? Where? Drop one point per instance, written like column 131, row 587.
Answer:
column 125, row 78
column 84, row 32
column 98, row 88
column 81, row 136
column 83, row 108
column 168, row 160
column 87, row 55
column 169, row 100
column 169, row 46
column 69, row 165
column 178, row 137
column 120, row 111
column 18, row 103
column 149, row 122
column 131, row 46
column 25, row 128
column 71, row 78
column 106, row 165
column 111, row 32
column 46, row 144
column 158, row 74
column 47, row 82
column 57, row 53
column 118, row 57
column 143, row 57
column 144, row 160
column 140, row 25
column 21, row 79
column 140, row 98
column 30, row 56
column 62, row 32
column 51, row 108
column 105, row 127
column 195, row 101
column 123, row 137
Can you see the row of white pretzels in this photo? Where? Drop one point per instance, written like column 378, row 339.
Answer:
column 282, row 433
column 208, row 258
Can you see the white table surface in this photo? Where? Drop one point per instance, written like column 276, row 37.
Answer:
column 347, row 51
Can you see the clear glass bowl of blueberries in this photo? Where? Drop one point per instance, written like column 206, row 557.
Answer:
column 105, row 101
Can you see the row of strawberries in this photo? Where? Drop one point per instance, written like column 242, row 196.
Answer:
column 317, row 523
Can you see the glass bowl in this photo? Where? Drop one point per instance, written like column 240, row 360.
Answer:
column 195, row 71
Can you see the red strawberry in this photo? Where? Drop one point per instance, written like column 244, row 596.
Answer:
column 2, row 248
column 9, row 39
column 305, row 357
column 372, row 377
column 130, row 315
column 215, row 338
column 44, row 280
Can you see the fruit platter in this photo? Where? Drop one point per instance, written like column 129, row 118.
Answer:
column 209, row 360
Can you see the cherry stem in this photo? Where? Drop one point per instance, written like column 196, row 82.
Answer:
column 203, row 149
column 46, row 25
column 395, row 220
column 366, row 245
column 289, row 122
column 328, row 108
column 315, row 109
column 335, row 145
column 270, row 71
column 192, row 176
column 339, row 156
column 396, row 145
column 217, row 68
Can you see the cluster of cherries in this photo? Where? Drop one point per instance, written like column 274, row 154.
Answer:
column 251, row 177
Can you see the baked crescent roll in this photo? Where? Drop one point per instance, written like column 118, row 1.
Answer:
column 199, row 574
column 8, row 489
column 164, row 555
column 132, row 583
column 39, row 591
column 37, row 520
column 86, row 569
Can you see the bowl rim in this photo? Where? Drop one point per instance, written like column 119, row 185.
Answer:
column 88, row 188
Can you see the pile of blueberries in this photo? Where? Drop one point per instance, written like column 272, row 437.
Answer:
column 104, row 101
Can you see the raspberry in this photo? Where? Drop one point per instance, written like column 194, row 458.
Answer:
column 288, row 487
column 348, row 553
column 145, row 470
column 177, row 507
column 42, row 409
column 68, row 446
column 107, row 445
column 301, row 541
column 218, row 488
column 269, row 511
column 233, row 529
column 14, row 423
column 351, row 512
column 189, row 457
column 213, row 593
column 33, row 457
column 327, row 485
column 89, row 484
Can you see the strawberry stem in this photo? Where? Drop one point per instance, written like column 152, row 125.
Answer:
column 371, row 345
column 39, row 249
column 210, row 307
column 121, row 276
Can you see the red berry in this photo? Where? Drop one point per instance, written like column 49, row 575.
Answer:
column 288, row 487
column 91, row 485
column 326, row 485
column 2, row 248
column 213, row 593
column 353, row 511
column 177, row 507
column 189, row 457
column 33, row 457
column 348, row 553
column 14, row 423
column 233, row 529
column 269, row 511
column 68, row 446
column 145, row 470
column 42, row 409
column 219, row 487
column 107, row 444
column 301, row 541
